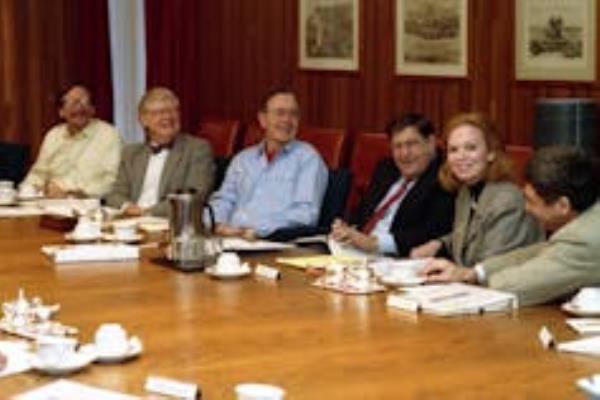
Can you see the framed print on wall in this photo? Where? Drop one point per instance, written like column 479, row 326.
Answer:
column 328, row 34
column 431, row 37
column 555, row 40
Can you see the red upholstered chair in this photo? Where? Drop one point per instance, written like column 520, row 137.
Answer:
column 520, row 156
column 222, row 134
column 368, row 149
column 254, row 133
column 328, row 141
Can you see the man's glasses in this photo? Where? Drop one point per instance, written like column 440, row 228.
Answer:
column 282, row 112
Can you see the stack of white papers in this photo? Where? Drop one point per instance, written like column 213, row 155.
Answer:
column 238, row 244
column 584, row 325
column 67, row 389
column 92, row 252
column 590, row 385
column 590, row 345
column 20, row 211
column 452, row 299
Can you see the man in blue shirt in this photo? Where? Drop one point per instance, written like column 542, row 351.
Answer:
column 278, row 183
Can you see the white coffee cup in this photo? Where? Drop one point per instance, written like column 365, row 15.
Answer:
column 28, row 192
column 588, row 298
column 8, row 194
column 85, row 229
column 111, row 338
column 228, row 262
column 55, row 350
column 258, row 391
column 125, row 231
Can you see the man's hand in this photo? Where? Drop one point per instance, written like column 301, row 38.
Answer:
column 441, row 270
column 228, row 230
column 133, row 210
column 425, row 250
column 345, row 233
column 54, row 191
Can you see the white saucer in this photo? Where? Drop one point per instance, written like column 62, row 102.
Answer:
column 135, row 348
column 397, row 281
column 240, row 273
column 580, row 312
column 81, row 239
column 75, row 362
column 111, row 237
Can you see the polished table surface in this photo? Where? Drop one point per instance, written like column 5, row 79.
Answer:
column 314, row 343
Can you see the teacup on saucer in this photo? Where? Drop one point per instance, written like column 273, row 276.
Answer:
column 86, row 230
column 111, row 339
column 227, row 263
column 55, row 350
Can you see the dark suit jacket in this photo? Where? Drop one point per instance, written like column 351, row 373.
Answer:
column 189, row 166
column 425, row 213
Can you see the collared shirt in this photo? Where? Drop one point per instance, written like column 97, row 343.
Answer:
column 266, row 196
column 385, row 239
column 150, row 187
column 87, row 161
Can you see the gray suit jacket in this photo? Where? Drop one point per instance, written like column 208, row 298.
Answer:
column 569, row 260
column 189, row 166
column 499, row 224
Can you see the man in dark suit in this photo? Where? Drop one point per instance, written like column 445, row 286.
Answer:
column 404, row 205
column 169, row 160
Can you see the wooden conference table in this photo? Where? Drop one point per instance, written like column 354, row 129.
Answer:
column 316, row 344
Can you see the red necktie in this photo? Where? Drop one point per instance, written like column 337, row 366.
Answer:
column 382, row 209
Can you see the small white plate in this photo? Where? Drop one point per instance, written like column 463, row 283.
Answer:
column 81, row 239
column 580, row 312
column 400, row 281
column 111, row 237
column 134, row 349
column 75, row 362
column 240, row 273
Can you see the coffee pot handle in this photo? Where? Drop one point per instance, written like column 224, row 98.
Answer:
column 211, row 217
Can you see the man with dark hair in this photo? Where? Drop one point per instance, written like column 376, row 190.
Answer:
column 405, row 205
column 80, row 156
column 278, row 183
column 562, row 193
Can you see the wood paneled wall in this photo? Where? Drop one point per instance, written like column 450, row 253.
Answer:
column 243, row 47
column 249, row 45
column 46, row 45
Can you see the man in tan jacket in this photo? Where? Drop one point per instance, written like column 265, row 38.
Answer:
column 562, row 193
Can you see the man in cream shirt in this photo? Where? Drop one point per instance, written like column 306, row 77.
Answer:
column 80, row 156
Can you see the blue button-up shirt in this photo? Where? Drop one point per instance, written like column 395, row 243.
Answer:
column 266, row 196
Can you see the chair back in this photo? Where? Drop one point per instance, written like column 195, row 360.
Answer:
column 520, row 156
column 329, row 142
column 368, row 149
column 253, row 134
column 222, row 134
column 14, row 160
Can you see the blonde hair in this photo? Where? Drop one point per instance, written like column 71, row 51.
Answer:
column 499, row 169
column 156, row 94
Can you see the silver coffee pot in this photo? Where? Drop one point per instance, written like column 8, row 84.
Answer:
column 192, row 246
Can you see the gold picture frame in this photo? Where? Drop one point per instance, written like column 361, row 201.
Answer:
column 555, row 40
column 328, row 36
column 432, row 37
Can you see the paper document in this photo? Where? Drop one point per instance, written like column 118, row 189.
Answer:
column 340, row 249
column 20, row 211
column 238, row 244
column 452, row 299
column 92, row 252
column 321, row 261
column 584, row 325
column 590, row 345
column 71, row 390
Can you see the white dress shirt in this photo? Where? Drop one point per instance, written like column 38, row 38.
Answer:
column 385, row 240
column 149, row 194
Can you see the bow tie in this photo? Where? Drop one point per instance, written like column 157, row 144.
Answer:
column 157, row 148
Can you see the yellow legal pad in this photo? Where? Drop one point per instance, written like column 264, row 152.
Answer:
column 319, row 261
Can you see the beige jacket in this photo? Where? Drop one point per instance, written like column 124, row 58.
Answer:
column 499, row 224
column 569, row 260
